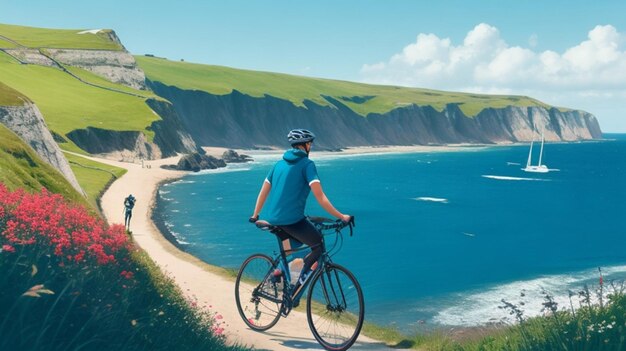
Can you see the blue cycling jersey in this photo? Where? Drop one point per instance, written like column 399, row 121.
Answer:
column 291, row 180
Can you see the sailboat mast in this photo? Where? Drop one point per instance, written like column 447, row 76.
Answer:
column 541, row 152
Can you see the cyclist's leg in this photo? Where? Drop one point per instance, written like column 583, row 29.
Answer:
column 305, row 232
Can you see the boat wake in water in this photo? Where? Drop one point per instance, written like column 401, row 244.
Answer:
column 514, row 178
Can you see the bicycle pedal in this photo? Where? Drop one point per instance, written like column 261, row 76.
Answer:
column 284, row 310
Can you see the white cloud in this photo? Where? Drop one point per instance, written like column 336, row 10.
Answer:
column 484, row 62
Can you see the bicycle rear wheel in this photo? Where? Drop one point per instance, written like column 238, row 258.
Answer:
column 257, row 293
column 335, row 308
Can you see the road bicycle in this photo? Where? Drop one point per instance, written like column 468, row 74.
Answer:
column 334, row 305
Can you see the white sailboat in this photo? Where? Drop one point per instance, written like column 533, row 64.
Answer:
column 539, row 168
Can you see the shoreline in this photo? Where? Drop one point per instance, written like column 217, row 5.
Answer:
column 156, row 217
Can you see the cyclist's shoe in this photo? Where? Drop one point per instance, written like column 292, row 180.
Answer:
column 286, row 306
column 295, row 301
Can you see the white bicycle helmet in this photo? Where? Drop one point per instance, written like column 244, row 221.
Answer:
column 300, row 136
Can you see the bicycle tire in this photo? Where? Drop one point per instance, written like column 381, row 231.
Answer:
column 344, row 311
column 258, row 312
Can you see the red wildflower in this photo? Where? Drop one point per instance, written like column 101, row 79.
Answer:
column 8, row 248
column 47, row 220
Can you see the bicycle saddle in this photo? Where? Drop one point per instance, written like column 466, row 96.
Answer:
column 262, row 224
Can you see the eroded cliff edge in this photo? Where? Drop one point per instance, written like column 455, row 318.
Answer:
column 170, row 138
column 27, row 122
column 241, row 121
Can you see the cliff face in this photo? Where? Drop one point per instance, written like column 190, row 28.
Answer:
column 241, row 121
column 27, row 122
column 115, row 66
column 170, row 138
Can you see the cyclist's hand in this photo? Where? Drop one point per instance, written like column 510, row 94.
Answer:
column 346, row 218
column 253, row 219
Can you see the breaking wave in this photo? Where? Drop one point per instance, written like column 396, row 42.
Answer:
column 481, row 307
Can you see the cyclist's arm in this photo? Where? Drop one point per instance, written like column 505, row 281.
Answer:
column 321, row 198
column 260, row 201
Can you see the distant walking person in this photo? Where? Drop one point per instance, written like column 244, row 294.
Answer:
column 129, row 203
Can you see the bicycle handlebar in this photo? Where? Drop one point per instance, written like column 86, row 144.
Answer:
column 338, row 224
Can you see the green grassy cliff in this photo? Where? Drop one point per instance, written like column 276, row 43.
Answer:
column 68, row 104
column 30, row 37
column 361, row 98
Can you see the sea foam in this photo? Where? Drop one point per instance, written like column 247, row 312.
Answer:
column 227, row 169
column 481, row 307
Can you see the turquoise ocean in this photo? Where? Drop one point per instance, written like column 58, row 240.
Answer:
column 443, row 237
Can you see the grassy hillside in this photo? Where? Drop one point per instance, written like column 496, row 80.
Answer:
column 7, row 44
column 68, row 104
column 71, row 282
column 93, row 177
column 362, row 98
column 56, row 38
column 21, row 167
column 11, row 97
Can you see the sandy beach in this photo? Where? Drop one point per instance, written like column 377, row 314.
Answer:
column 195, row 278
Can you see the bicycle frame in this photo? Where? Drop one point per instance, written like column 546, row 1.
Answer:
column 334, row 295
column 280, row 261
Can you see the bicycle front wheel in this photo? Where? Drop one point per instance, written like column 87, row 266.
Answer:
column 258, row 294
column 335, row 308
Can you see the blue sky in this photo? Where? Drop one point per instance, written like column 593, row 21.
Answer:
column 567, row 53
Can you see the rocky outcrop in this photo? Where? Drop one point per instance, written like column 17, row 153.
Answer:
column 231, row 156
column 27, row 122
column 31, row 56
column 237, row 120
column 115, row 66
column 196, row 162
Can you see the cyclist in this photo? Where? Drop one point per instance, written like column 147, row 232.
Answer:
column 288, row 185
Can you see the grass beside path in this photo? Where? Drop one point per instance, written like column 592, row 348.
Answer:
column 94, row 177
column 10, row 96
column 4, row 44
